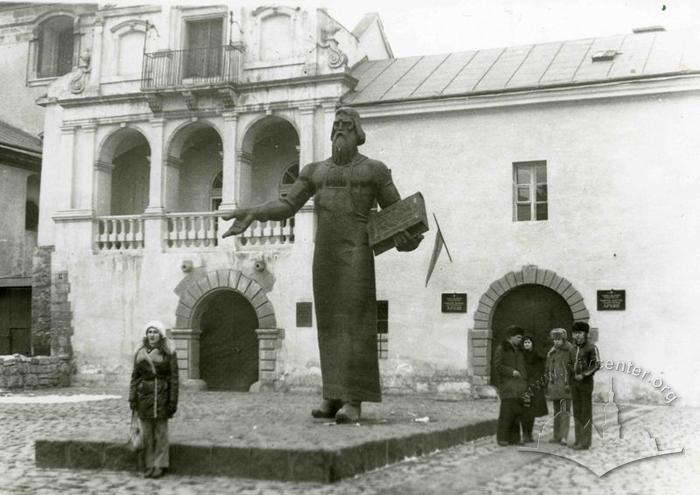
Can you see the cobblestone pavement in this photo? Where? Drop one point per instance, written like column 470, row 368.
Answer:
column 476, row 467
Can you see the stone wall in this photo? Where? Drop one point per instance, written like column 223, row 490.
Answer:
column 41, row 301
column 61, row 315
column 19, row 371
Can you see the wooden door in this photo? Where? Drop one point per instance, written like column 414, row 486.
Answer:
column 15, row 320
column 228, row 346
column 535, row 308
column 204, row 48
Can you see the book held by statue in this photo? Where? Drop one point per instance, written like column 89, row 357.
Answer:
column 407, row 214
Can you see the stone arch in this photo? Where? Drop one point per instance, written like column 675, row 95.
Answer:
column 194, row 289
column 109, row 143
column 259, row 122
column 481, row 335
column 194, row 154
column 177, row 138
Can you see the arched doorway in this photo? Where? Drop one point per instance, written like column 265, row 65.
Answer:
column 195, row 161
column 269, row 160
column 536, row 309
column 228, row 346
column 123, row 173
column 484, row 337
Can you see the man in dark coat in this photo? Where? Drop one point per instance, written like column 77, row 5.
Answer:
column 511, row 377
column 584, row 361
column 345, row 188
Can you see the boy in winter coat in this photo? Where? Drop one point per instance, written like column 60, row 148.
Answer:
column 558, row 389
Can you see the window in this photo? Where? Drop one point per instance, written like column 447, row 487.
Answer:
column 215, row 194
column 530, row 191
column 383, row 329
column 31, row 216
column 204, row 48
column 304, row 315
column 55, row 47
column 288, row 177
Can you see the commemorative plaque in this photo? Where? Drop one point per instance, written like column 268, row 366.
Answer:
column 454, row 303
column 407, row 214
column 611, row 300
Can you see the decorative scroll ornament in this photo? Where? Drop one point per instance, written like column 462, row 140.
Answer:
column 336, row 57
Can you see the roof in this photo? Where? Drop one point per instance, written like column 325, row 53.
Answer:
column 539, row 66
column 364, row 24
column 16, row 138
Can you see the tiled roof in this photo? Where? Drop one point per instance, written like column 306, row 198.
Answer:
column 493, row 70
column 17, row 138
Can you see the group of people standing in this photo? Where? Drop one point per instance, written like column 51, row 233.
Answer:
column 525, row 380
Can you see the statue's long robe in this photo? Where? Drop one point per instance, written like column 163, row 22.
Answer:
column 343, row 271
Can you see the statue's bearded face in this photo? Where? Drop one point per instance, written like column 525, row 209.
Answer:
column 344, row 139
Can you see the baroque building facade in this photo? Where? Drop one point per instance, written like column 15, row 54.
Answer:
column 561, row 174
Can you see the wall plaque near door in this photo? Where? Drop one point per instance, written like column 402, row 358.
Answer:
column 304, row 314
column 611, row 300
column 454, row 303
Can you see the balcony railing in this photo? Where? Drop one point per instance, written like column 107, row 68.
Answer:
column 189, row 230
column 118, row 233
column 270, row 232
column 194, row 67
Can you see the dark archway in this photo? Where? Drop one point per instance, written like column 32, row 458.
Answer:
column 535, row 308
column 228, row 342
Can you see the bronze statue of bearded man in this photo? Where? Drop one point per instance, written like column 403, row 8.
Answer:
column 345, row 188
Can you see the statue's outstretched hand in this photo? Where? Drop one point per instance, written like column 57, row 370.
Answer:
column 244, row 217
column 405, row 241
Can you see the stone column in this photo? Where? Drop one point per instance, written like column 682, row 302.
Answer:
column 172, row 182
column 66, row 174
column 306, row 140
column 102, row 197
column 83, row 191
column 187, row 347
column 155, row 191
column 328, row 118
column 153, row 216
column 230, row 189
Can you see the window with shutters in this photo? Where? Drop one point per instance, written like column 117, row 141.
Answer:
column 204, row 47
column 53, row 49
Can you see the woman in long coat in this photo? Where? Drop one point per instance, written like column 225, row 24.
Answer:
column 153, row 394
column 537, row 384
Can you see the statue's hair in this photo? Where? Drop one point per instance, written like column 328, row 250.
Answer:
column 352, row 113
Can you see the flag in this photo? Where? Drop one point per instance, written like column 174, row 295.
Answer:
column 437, row 249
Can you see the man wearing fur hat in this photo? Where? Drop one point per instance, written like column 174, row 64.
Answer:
column 511, row 378
column 584, row 361
column 345, row 188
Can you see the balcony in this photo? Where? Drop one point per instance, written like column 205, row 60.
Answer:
column 192, row 232
column 201, row 68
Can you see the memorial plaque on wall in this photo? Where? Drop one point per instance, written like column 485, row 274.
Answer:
column 304, row 316
column 454, row 303
column 611, row 300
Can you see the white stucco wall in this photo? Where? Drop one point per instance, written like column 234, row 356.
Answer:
column 622, row 178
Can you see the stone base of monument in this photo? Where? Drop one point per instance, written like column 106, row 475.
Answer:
column 284, row 445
